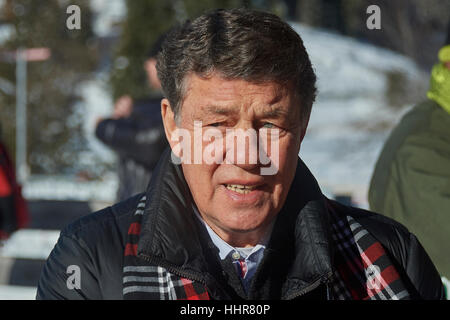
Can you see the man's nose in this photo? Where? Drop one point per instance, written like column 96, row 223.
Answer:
column 242, row 148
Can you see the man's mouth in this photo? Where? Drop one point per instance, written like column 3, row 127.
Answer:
column 239, row 188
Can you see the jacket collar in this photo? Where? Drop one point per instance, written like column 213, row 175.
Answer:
column 169, row 232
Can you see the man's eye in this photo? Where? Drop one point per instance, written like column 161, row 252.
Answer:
column 215, row 124
column 268, row 125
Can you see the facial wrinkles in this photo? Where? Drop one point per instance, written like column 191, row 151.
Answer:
column 228, row 94
column 244, row 99
column 244, row 114
column 243, row 104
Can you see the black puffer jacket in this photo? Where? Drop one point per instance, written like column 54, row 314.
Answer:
column 139, row 141
column 96, row 245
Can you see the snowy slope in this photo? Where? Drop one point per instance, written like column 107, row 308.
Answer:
column 351, row 117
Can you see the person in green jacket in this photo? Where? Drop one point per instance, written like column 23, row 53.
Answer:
column 411, row 180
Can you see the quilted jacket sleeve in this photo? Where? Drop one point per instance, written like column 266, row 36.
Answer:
column 422, row 272
column 142, row 144
column 86, row 262
column 69, row 273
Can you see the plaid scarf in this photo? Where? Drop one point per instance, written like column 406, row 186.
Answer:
column 143, row 281
column 363, row 270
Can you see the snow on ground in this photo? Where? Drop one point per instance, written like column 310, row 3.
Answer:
column 108, row 13
column 66, row 188
column 29, row 244
column 97, row 103
column 17, row 293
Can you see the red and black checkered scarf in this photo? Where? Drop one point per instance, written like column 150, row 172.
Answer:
column 145, row 281
column 363, row 270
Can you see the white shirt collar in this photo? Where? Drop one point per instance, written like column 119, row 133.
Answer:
column 224, row 248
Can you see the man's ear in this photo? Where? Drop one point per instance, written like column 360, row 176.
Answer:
column 168, row 118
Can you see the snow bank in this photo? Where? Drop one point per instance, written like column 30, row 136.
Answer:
column 352, row 116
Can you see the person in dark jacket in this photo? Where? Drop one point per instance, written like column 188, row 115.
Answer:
column 411, row 180
column 231, row 211
column 135, row 131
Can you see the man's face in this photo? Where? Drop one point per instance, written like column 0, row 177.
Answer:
column 240, row 217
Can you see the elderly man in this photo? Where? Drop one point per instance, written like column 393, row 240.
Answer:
column 231, row 211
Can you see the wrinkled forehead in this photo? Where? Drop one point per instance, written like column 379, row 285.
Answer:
column 216, row 94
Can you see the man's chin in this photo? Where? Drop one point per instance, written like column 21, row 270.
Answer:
column 244, row 225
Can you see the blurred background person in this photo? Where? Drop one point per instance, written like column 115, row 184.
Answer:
column 13, row 209
column 136, row 133
column 411, row 180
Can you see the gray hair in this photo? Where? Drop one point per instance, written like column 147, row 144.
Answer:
column 238, row 44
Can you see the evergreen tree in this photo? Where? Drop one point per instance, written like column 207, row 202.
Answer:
column 146, row 20
column 54, row 131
